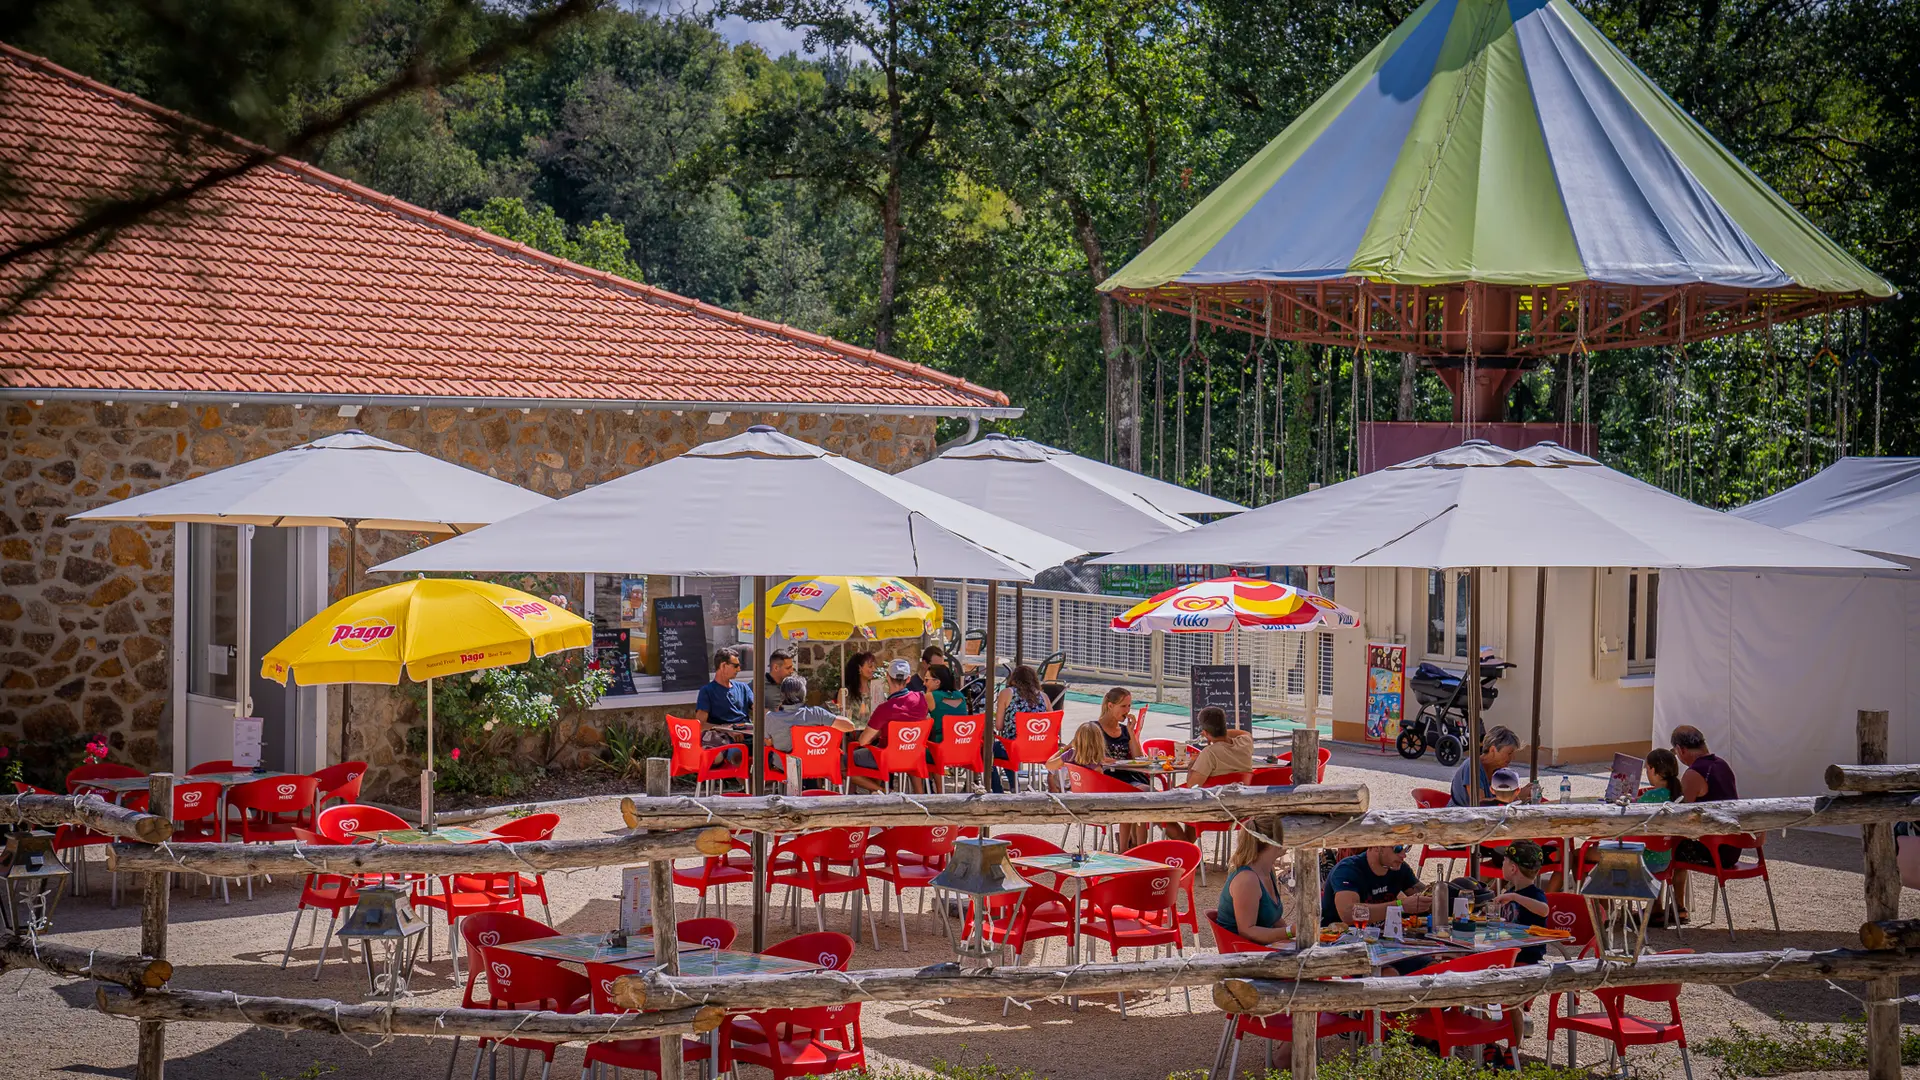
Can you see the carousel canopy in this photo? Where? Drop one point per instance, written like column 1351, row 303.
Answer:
column 1508, row 145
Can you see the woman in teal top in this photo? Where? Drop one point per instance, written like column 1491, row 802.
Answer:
column 1663, row 772
column 1250, row 904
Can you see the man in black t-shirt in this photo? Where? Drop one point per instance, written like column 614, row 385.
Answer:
column 1376, row 877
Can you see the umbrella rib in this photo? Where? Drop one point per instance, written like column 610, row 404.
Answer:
column 1451, row 507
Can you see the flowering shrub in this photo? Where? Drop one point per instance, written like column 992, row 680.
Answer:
column 97, row 750
column 482, row 720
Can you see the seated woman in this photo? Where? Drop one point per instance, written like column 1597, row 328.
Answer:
column 1250, row 904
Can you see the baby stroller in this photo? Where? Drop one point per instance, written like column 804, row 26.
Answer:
column 1441, row 722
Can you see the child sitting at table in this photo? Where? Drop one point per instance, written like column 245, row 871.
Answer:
column 1523, row 902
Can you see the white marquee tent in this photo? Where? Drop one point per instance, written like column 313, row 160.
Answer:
column 1773, row 666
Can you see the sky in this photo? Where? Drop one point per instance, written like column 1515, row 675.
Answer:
column 773, row 38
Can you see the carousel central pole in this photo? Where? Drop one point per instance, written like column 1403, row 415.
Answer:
column 759, row 763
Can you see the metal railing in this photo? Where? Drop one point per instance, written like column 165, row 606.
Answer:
column 1080, row 625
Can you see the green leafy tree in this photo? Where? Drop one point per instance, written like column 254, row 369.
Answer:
column 600, row 244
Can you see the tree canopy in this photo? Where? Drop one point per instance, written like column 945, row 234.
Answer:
column 948, row 181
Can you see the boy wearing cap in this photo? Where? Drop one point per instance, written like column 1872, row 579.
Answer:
column 1524, row 902
column 902, row 704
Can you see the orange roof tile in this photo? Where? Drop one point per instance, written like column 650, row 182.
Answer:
column 289, row 281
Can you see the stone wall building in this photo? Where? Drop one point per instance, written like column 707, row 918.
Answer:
column 289, row 304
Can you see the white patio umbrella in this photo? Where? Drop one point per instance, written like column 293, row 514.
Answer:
column 1865, row 503
column 348, row 481
column 761, row 504
column 1478, row 505
column 1171, row 498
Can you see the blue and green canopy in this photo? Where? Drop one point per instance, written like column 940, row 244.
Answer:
column 1504, row 142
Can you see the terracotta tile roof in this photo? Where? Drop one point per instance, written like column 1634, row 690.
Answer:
column 290, row 281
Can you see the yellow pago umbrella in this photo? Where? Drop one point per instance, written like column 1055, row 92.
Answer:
column 430, row 628
column 841, row 608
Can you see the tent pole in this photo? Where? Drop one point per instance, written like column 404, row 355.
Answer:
column 1474, row 793
column 353, row 586
column 759, row 759
column 991, row 674
column 426, row 775
column 1539, row 675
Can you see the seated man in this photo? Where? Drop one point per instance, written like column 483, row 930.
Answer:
column 901, row 704
column 723, row 704
column 1371, row 880
column 930, row 657
column 1708, row 779
column 1227, row 751
column 795, row 712
column 779, row 665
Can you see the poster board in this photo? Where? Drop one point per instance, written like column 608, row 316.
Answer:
column 247, row 734
column 636, row 899
column 1386, row 689
column 1215, row 685
column 612, row 647
column 680, row 632
column 633, row 602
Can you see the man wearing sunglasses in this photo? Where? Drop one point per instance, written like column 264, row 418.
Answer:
column 1374, row 878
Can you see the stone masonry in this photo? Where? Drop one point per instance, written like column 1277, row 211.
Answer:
column 86, row 609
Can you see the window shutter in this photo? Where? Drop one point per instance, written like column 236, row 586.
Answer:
column 1609, row 623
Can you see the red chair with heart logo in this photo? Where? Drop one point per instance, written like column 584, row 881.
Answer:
column 271, row 808
column 341, row 823
column 815, row 1041
column 1277, row 1028
column 641, row 1054
column 1134, row 911
column 1036, row 739
column 1453, row 1027
column 218, row 765
column 1620, row 1027
column 908, row 857
column 1182, row 856
column 341, row 782
column 708, row 765
column 520, row 981
column 196, row 816
column 820, row 752
column 826, row 862
column 1434, row 799
column 904, row 755
column 331, row 893
column 959, row 749
column 718, row 872
column 709, row 933
column 521, row 829
column 485, row 929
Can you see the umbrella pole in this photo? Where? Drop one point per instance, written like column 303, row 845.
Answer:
column 353, row 586
column 1474, row 794
column 991, row 675
column 1539, row 676
column 426, row 775
column 758, row 768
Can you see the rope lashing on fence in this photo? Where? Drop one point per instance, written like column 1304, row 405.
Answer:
column 1238, row 821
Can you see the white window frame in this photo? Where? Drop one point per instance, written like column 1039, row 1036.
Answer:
column 1643, row 620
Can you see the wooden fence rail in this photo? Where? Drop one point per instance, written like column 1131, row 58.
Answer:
column 242, row 860
column 90, row 811
column 134, row 972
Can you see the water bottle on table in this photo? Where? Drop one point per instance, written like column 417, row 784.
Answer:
column 1566, row 789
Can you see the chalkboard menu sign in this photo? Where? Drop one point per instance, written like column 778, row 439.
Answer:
column 611, row 647
column 680, row 631
column 1215, row 684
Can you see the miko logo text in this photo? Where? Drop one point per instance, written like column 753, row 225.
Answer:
column 361, row 635
column 1189, row 619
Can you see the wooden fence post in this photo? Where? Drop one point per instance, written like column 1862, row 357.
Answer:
column 666, row 929
column 1883, row 902
column 1306, row 901
column 151, row 1059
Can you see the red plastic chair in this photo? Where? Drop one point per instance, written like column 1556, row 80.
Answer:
column 341, row 781
column 1166, row 748
column 718, row 872
column 1449, row 1028
column 961, row 736
column 641, row 1054
column 340, row 823
column 531, row 827
column 1435, row 799
column 1620, row 1027
column 1024, row 845
column 823, row 863
column 530, row 982
column 1739, row 870
column 1085, row 781
column 814, row 1041
column 1134, row 911
column 1285, row 757
column 1036, row 739
column 706, row 764
column 488, row 928
column 1216, row 828
column 1271, row 776
column 1568, row 911
column 905, row 754
column 711, row 933
column 196, row 816
column 909, row 857
column 821, row 752
column 332, row 893
column 217, row 766
column 1182, row 856
column 272, row 807
column 1277, row 1028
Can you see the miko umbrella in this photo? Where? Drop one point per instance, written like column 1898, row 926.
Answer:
column 1223, row 605
column 348, row 481
column 429, row 628
column 839, row 608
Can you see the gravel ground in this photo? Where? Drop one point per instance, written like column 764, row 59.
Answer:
column 236, row 947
